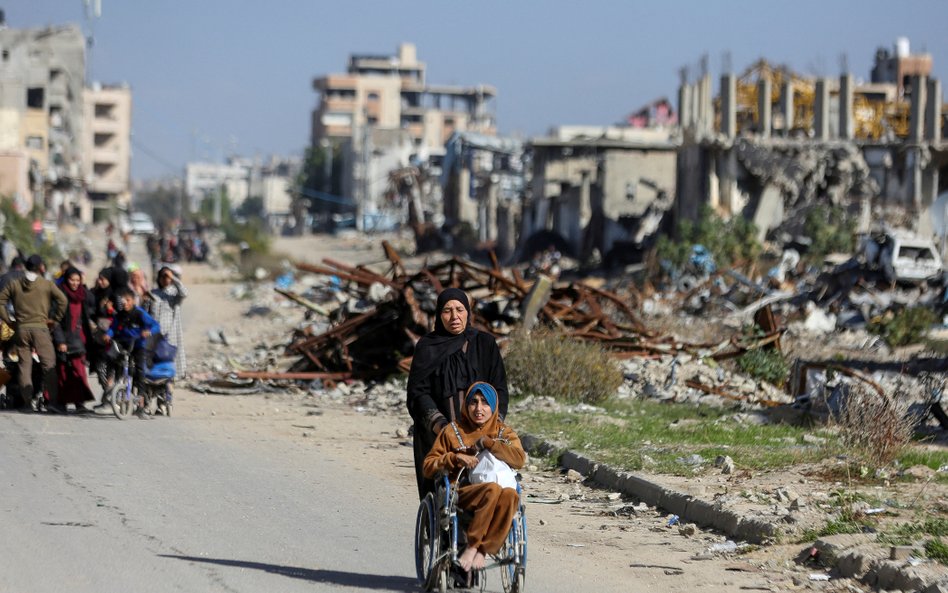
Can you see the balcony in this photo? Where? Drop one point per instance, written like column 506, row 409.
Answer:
column 105, row 156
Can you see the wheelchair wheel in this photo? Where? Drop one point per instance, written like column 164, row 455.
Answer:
column 428, row 566
column 123, row 404
column 513, row 556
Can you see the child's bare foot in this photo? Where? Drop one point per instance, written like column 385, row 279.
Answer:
column 466, row 560
column 479, row 561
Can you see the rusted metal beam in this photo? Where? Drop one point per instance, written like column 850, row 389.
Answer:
column 303, row 301
column 292, row 376
column 392, row 255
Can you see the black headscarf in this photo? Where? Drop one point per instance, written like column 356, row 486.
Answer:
column 119, row 273
column 100, row 293
column 440, row 348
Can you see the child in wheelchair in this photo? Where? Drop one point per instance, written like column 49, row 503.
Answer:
column 459, row 449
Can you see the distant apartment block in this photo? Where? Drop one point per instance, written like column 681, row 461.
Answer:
column 41, row 115
column 208, row 180
column 391, row 92
column 108, row 113
column 273, row 181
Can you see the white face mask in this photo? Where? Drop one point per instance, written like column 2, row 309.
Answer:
column 31, row 276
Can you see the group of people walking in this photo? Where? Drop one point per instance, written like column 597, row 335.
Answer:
column 69, row 327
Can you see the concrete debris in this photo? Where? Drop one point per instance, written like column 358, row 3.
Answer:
column 725, row 463
column 688, row 529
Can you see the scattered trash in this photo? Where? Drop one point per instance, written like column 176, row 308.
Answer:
column 818, row 576
column 672, row 520
column 726, row 547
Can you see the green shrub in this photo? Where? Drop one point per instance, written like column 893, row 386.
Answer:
column 768, row 365
column 908, row 326
column 19, row 229
column 562, row 367
column 831, row 230
column 729, row 241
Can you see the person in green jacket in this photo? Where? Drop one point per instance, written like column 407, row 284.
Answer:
column 38, row 304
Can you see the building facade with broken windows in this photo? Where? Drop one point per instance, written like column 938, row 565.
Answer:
column 773, row 144
column 42, row 74
column 108, row 116
column 600, row 192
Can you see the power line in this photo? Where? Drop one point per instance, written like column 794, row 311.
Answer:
column 319, row 195
column 155, row 157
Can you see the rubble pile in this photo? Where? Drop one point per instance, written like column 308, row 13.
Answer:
column 687, row 379
column 806, row 171
column 371, row 319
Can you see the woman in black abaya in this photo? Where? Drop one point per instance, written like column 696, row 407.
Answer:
column 445, row 363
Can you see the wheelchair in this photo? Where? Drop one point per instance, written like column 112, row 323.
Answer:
column 437, row 530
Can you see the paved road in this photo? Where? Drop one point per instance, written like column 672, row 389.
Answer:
column 106, row 505
column 182, row 505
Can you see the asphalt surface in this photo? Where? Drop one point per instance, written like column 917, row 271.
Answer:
column 89, row 503
column 104, row 505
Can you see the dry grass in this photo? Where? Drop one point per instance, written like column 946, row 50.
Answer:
column 877, row 428
column 563, row 368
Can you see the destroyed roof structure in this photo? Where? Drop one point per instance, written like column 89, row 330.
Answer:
column 774, row 142
column 604, row 191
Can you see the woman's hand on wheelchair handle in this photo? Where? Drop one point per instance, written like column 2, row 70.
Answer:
column 484, row 443
column 462, row 460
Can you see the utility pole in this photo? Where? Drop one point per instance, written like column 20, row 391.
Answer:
column 93, row 11
column 218, row 203
column 363, row 204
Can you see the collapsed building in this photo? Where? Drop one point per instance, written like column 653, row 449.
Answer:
column 774, row 143
column 600, row 193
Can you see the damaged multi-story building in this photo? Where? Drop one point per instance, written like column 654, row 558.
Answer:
column 774, row 143
column 42, row 78
column 600, row 192
column 108, row 150
column 482, row 182
column 385, row 114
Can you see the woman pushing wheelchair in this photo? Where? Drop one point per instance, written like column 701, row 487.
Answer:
column 462, row 447
column 446, row 362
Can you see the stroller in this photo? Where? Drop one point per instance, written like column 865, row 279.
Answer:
column 159, row 377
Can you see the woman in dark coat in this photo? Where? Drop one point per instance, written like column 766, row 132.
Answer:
column 71, row 337
column 446, row 362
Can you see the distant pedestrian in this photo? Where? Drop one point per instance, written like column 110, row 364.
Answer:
column 7, row 252
column 38, row 304
column 103, row 310
column 138, row 284
column 165, row 307
column 71, row 337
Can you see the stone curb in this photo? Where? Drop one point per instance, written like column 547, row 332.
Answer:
column 851, row 555
column 854, row 556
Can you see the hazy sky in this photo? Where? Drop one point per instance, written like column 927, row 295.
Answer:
column 211, row 77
